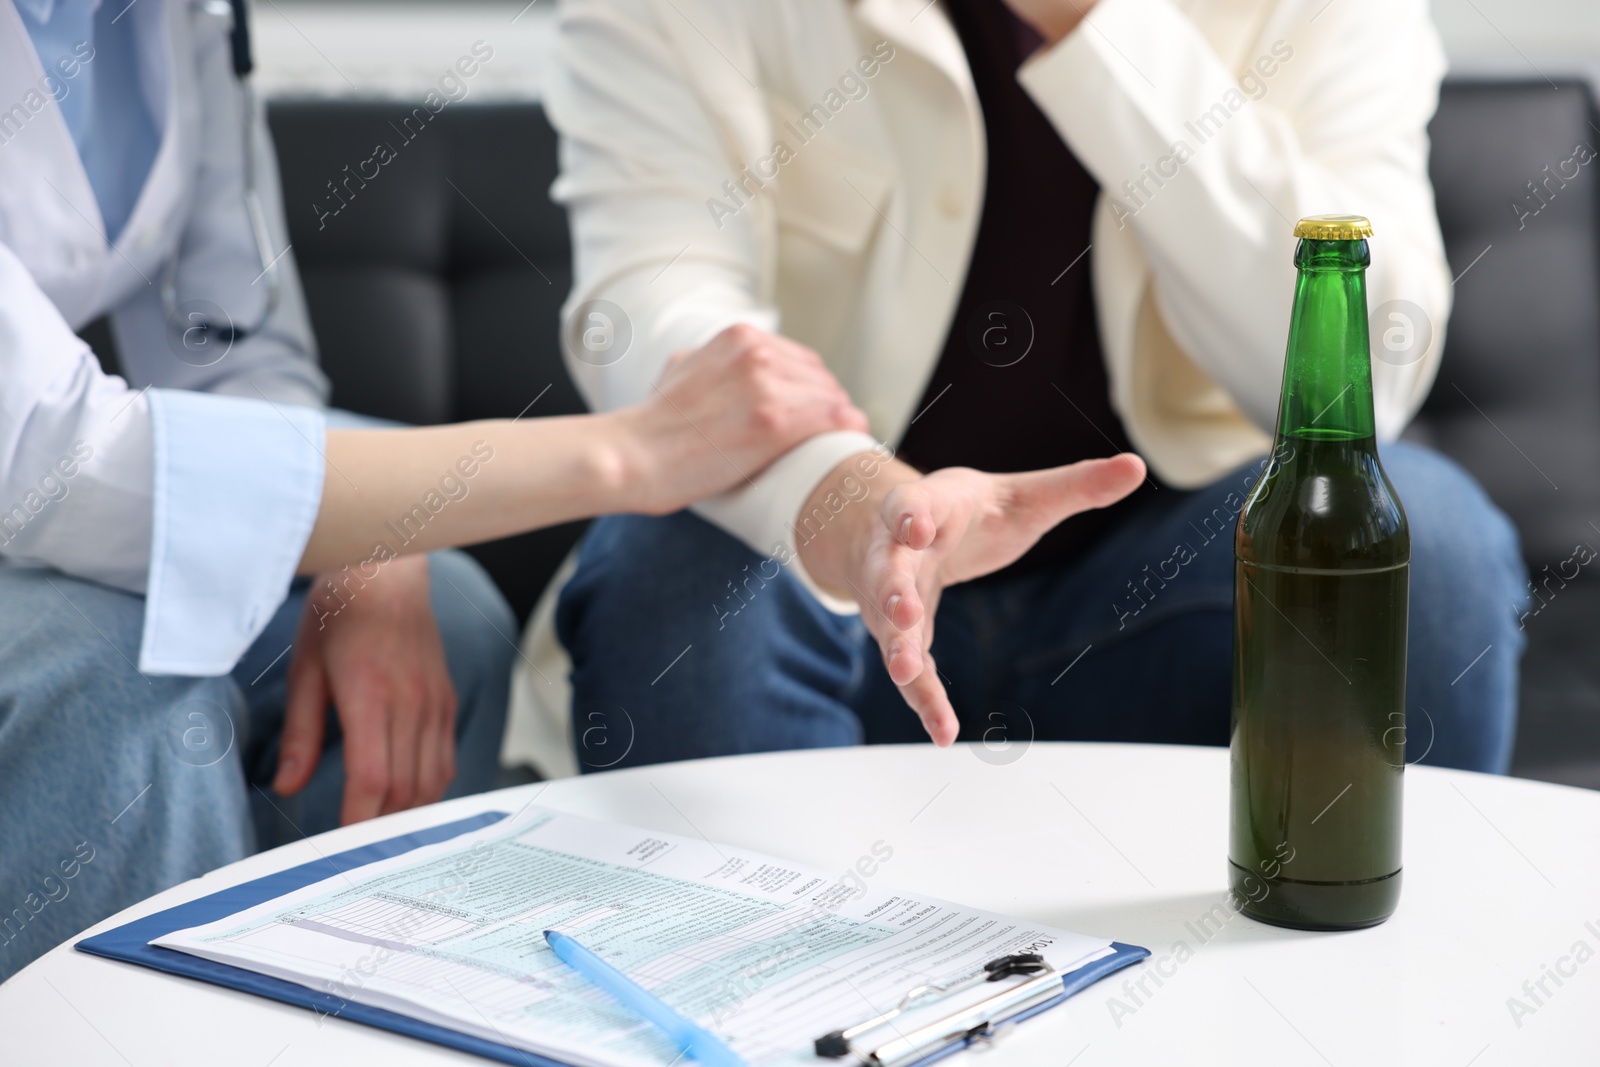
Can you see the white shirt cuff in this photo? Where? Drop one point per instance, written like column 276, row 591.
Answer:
column 764, row 514
column 237, row 485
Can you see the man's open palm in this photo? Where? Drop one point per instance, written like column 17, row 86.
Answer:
column 952, row 526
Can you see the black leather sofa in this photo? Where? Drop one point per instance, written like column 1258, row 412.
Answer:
column 1517, row 401
column 435, row 288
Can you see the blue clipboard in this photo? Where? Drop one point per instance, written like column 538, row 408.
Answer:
column 131, row 943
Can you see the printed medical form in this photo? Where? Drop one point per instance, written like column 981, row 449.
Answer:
column 766, row 953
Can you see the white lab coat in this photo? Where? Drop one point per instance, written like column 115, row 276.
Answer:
column 57, row 274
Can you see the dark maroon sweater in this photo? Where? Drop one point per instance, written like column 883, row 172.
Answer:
column 1021, row 383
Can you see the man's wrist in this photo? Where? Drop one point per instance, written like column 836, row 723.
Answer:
column 834, row 526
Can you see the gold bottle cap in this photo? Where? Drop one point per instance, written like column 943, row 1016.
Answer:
column 1333, row 228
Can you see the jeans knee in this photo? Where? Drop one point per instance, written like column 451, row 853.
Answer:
column 463, row 592
column 202, row 721
column 479, row 633
column 476, row 624
column 155, row 769
column 171, row 766
column 687, row 643
column 140, row 788
column 71, row 693
column 660, row 569
column 1461, row 542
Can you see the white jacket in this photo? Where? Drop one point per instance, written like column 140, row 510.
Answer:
column 702, row 193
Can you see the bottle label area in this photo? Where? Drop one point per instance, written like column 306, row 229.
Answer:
column 1318, row 740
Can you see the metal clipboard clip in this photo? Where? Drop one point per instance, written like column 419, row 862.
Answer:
column 975, row 1023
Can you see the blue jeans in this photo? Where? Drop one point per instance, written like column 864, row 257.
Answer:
column 685, row 643
column 115, row 786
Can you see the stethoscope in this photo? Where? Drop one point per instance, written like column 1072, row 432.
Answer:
column 195, row 327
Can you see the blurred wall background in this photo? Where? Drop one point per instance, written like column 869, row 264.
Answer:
column 399, row 48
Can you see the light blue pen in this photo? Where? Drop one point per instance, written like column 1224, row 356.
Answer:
column 695, row 1040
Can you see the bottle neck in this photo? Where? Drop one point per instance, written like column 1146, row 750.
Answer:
column 1327, row 374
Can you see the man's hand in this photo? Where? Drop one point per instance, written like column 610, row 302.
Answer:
column 896, row 551
column 1052, row 19
column 722, row 412
column 374, row 651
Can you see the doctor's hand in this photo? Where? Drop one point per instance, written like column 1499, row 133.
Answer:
column 375, row 653
column 722, row 412
column 896, row 550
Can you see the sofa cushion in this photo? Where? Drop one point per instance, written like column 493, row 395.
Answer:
column 435, row 278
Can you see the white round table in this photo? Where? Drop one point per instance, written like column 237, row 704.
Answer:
column 1493, row 957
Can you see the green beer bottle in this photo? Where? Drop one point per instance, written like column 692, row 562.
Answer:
column 1321, row 567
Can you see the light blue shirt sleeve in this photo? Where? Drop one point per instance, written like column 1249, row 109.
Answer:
column 237, row 487
column 110, row 122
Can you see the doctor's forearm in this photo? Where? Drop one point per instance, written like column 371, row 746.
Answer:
column 717, row 417
column 388, row 492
